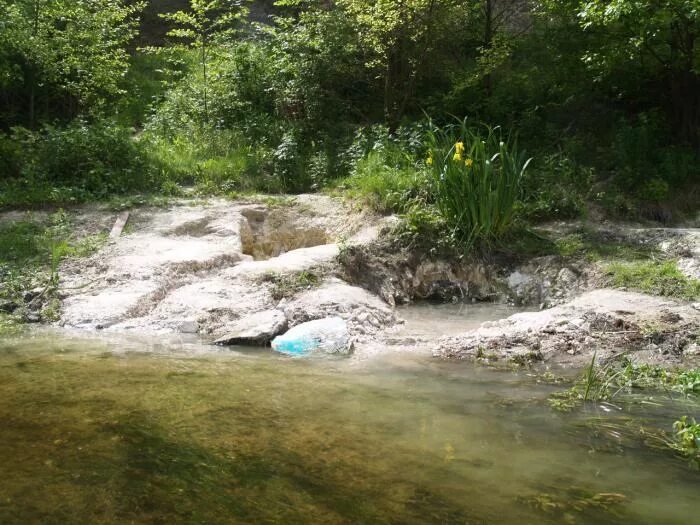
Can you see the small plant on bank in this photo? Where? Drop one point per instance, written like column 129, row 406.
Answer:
column 285, row 286
column 31, row 252
column 654, row 277
column 477, row 177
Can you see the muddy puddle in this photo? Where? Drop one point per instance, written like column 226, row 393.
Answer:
column 440, row 319
column 129, row 429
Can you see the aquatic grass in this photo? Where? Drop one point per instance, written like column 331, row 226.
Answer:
column 477, row 174
column 686, row 439
column 572, row 501
column 9, row 325
column 210, row 439
column 604, row 382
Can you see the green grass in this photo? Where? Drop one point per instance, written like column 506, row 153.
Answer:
column 386, row 185
column 654, row 277
column 31, row 251
column 288, row 285
column 215, row 163
column 596, row 246
column 21, row 241
column 604, row 382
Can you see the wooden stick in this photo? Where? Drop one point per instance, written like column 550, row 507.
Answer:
column 119, row 225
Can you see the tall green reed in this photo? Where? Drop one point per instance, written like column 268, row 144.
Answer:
column 477, row 173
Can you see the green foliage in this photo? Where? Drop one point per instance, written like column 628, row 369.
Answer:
column 399, row 42
column 31, row 251
column 66, row 53
column 145, row 85
column 215, row 162
column 288, row 285
column 477, row 177
column 647, row 164
column 20, row 241
column 606, row 96
column 635, row 45
column 75, row 163
column 33, row 241
column 388, row 178
column 654, row 277
column 604, row 382
column 424, row 227
column 555, row 188
column 686, row 439
column 204, row 27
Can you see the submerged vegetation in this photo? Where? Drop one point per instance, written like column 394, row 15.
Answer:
column 603, row 383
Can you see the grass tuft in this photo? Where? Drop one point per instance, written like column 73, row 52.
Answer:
column 654, row 277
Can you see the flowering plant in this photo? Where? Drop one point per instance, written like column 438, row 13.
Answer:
column 477, row 174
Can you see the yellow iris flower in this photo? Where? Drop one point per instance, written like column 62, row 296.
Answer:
column 429, row 160
column 469, row 163
column 459, row 151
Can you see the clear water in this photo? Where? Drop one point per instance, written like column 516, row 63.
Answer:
column 138, row 430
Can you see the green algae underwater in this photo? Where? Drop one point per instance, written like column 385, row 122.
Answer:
column 137, row 430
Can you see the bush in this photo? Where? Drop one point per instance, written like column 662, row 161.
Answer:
column 477, row 179
column 646, row 163
column 10, row 156
column 556, row 188
column 74, row 163
column 388, row 187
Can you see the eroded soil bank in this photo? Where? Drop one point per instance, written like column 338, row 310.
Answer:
column 245, row 271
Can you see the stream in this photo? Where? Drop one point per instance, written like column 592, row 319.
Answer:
column 114, row 428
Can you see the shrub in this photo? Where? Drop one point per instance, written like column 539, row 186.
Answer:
column 388, row 187
column 555, row 188
column 100, row 157
column 646, row 163
column 477, row 178
column 73, row 163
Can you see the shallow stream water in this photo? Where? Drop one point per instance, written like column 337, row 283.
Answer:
column 125, row 429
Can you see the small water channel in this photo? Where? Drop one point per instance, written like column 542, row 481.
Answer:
column 126, row 429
